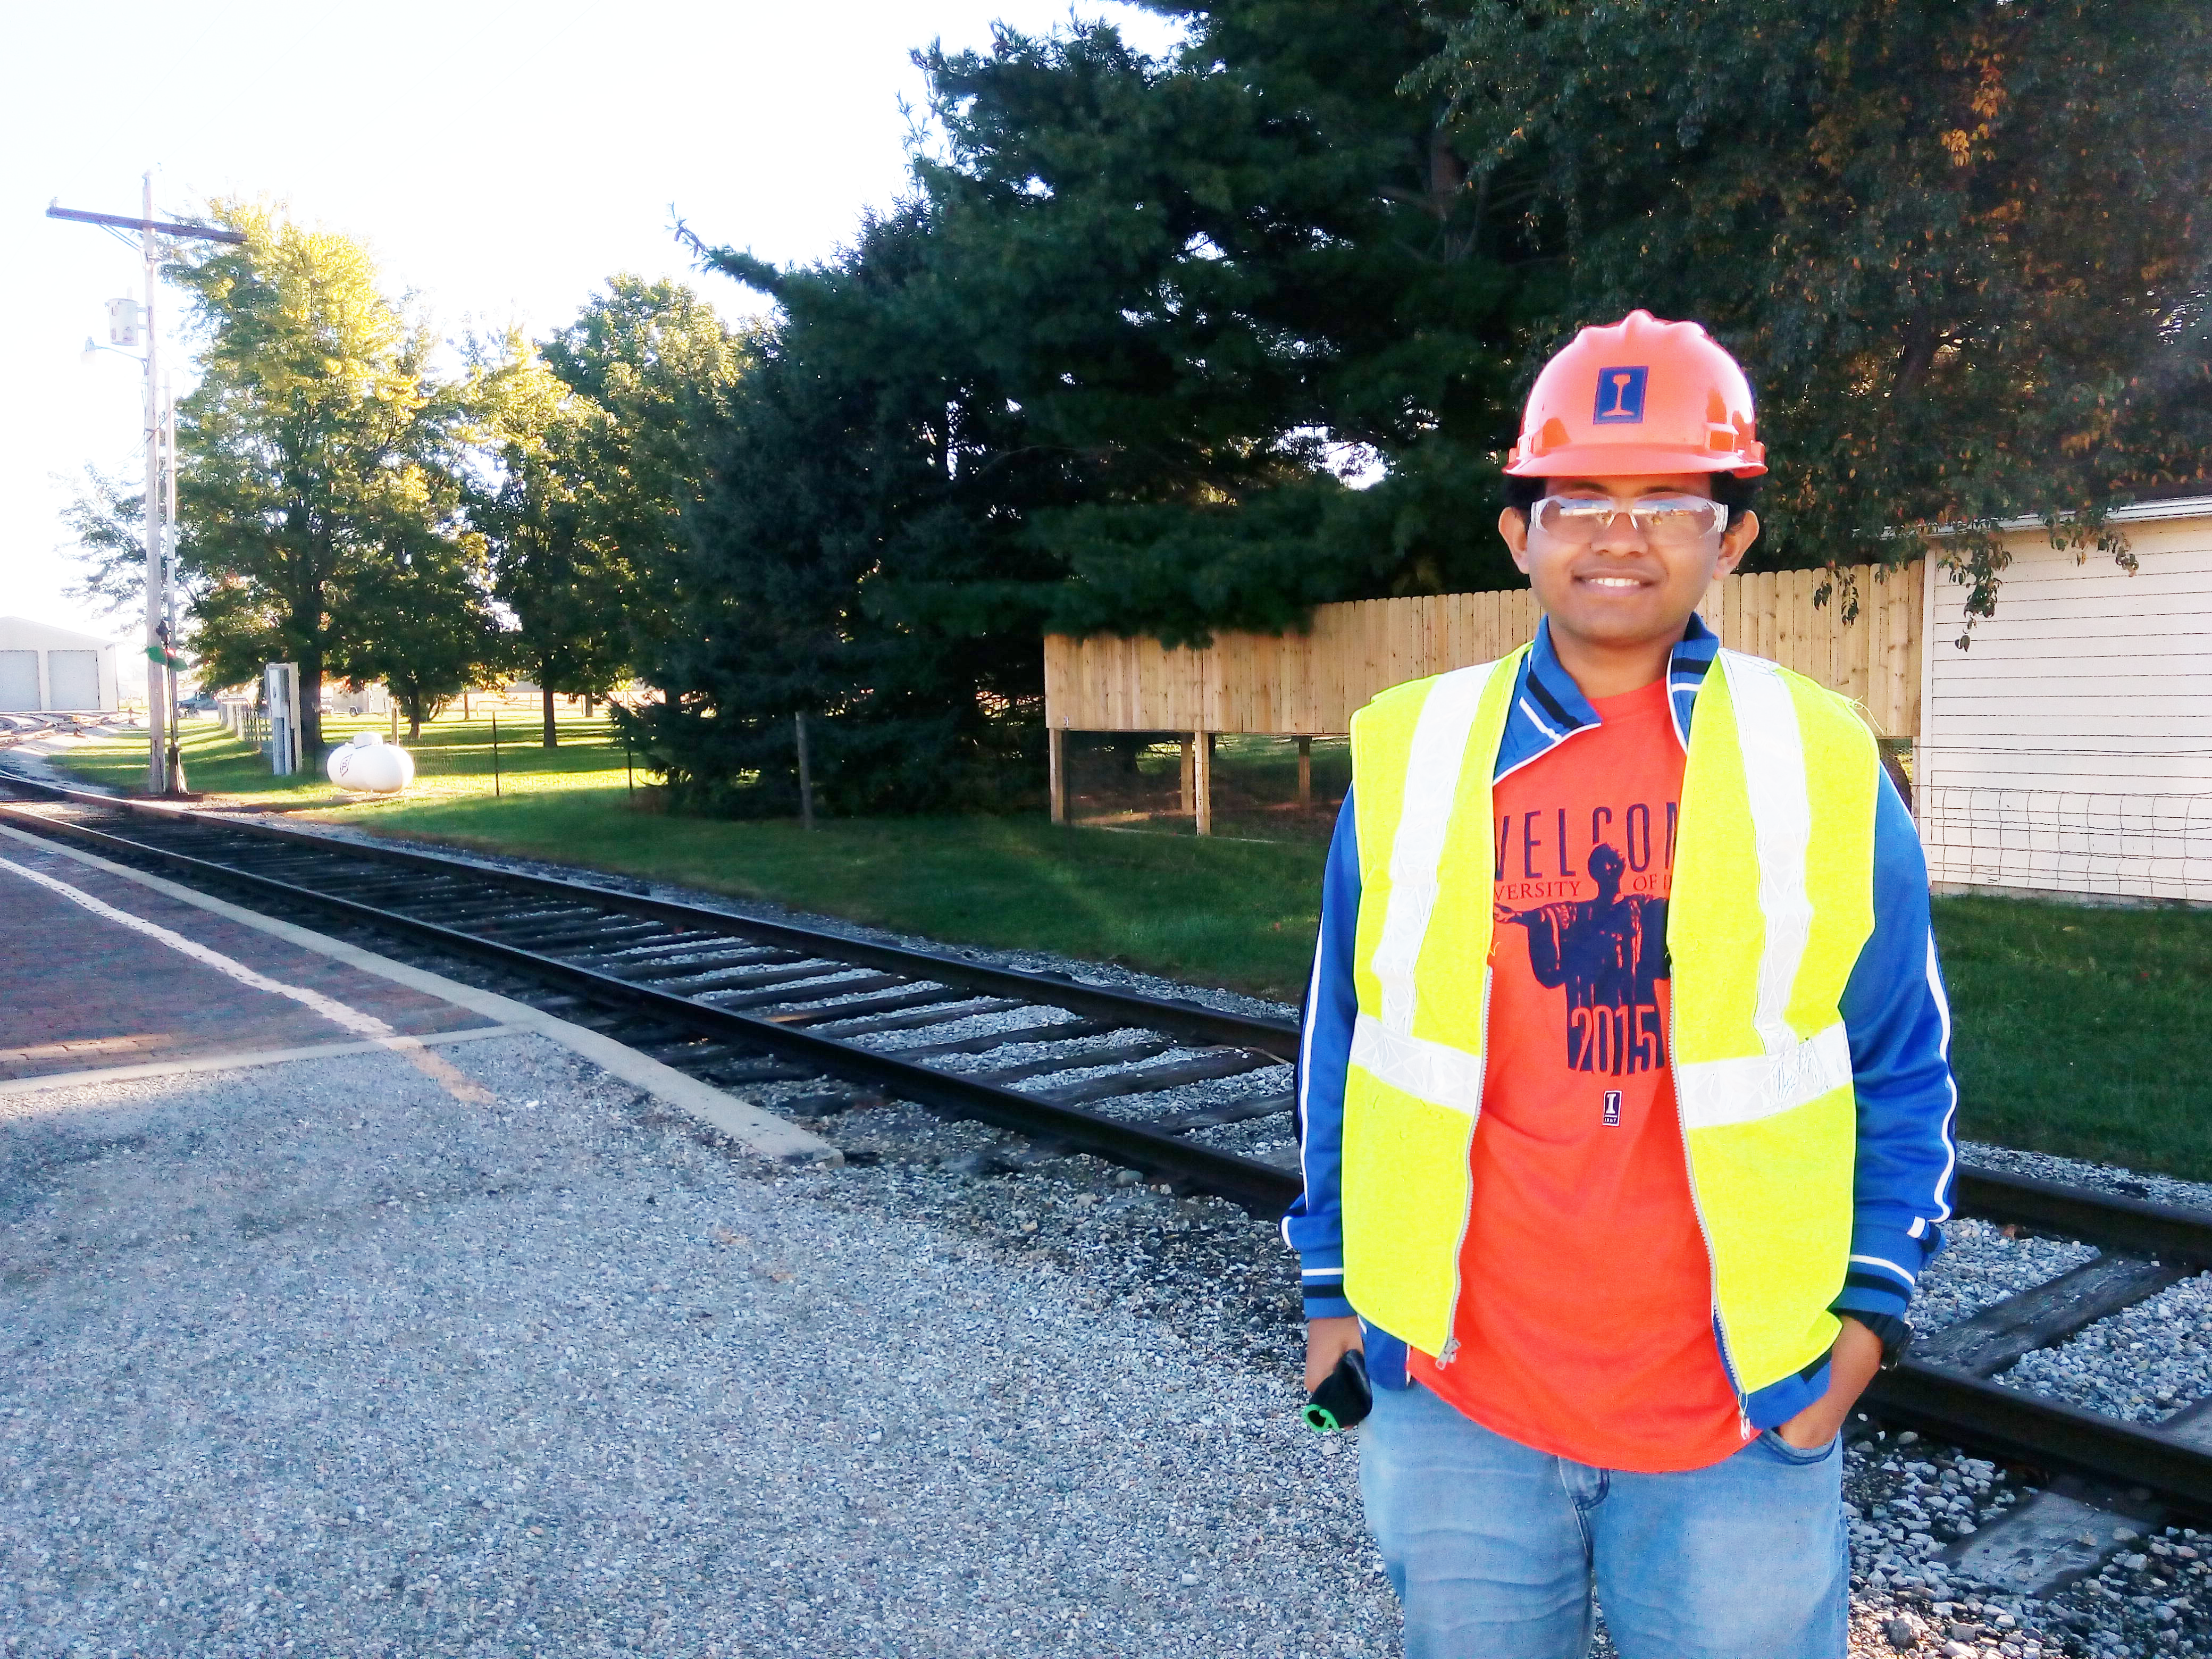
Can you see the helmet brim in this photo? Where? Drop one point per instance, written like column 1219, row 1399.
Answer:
column 1616, row 460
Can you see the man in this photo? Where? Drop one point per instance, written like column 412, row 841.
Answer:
column 1624, row 1099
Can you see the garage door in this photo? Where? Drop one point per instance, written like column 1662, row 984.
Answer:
column 72, row 679
column 19, row 681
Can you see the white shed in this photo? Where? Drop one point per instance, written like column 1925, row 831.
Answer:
column 47, row 668
column 2070, row 747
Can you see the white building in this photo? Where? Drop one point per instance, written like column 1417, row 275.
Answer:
column 45, row 668
column 2070, row 747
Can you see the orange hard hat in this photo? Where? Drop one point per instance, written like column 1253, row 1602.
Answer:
column 1642, row 396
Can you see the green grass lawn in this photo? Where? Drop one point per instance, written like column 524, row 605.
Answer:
column 453, row 760
column 2083, row 1031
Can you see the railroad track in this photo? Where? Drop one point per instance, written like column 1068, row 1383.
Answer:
column 16, row 728
column 735, row 1001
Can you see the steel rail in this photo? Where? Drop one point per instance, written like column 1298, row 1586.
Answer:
column 2024, row 1428
column 2169, row 1232
column 1257, row 1186
column 1275, row 1037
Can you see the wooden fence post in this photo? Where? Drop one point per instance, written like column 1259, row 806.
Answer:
column 806, row 779
column 1201, row 754
column 1187, row 800
column 1306, row 773
column 1055, row 746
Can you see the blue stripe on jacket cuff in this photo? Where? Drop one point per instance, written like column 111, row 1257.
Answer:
column 1870, row 1299
column 1323, row 1305
column 1884, row 1268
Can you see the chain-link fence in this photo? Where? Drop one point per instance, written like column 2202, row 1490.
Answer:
column 2063, row 840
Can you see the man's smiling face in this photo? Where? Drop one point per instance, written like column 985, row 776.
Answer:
column 1602, row 580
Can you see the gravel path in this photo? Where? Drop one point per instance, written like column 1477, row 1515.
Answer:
column 316, row 1359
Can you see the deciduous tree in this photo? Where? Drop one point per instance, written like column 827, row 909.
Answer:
column 1962, row 243
column 595, row 433
column 105, row 519
column 424, row 625
column 319, row 452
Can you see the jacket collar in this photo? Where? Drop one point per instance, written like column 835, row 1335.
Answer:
column 1549, row 708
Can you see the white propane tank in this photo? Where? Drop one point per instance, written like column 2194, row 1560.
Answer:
column 369, row 763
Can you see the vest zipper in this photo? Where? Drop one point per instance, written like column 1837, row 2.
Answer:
column 1450, row 1351
column 1697, row 1209
column 1467, row 1213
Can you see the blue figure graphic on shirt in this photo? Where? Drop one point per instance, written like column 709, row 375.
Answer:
column 1609, row 954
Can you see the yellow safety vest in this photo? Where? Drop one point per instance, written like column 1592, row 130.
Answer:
column 1763, row 932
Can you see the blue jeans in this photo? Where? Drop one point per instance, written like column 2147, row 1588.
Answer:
column 1495, row 1549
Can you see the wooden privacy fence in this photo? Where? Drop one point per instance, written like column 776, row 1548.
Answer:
column 1307, row 686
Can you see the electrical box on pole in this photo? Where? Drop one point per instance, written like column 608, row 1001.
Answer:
column 280, row 689
column 123, row 322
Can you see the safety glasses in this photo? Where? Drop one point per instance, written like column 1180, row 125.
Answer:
column 1662, row 520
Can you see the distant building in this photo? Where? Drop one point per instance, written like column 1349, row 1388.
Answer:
column 44, row 668
column 343, row 697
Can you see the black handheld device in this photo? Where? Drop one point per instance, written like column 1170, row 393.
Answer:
column 1344, row 1398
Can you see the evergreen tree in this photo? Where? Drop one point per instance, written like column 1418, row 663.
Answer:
column 1097, row 372
column 1165, row 346
column 857, row 554
column 1217, row 281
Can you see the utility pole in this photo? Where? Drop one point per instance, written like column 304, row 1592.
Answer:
column 169, row 632
column 161, row 685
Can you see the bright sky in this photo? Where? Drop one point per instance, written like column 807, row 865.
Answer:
column 499, row 160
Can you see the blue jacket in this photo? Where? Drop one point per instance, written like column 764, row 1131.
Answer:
column 1893, row 1009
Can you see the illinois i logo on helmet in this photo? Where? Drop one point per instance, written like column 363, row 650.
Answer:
column 1621, row 396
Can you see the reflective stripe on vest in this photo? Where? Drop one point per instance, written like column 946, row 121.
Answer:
column 1762, row 934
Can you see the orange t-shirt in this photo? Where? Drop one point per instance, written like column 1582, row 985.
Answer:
column 1585, row 1315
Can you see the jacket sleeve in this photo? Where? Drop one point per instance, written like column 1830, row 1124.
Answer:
column 1900, row 1025
column 1314, row 1226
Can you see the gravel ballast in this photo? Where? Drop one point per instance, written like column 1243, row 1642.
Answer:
column 315, row 1358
